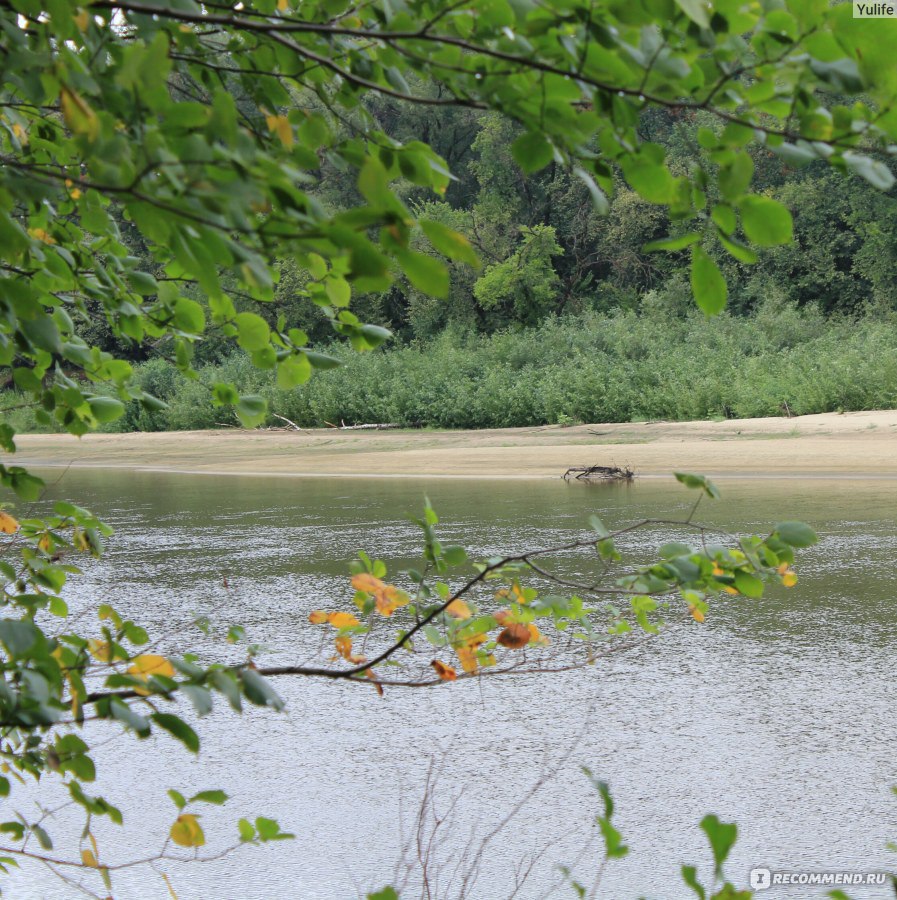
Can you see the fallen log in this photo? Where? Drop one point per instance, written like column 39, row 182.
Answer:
column 599, row 473
column 376, row 426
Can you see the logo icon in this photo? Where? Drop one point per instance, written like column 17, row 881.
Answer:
column 760, row 879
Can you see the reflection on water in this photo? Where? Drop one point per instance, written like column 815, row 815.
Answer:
column 776, row 714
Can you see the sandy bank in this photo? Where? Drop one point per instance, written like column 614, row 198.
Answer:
column 863, row 443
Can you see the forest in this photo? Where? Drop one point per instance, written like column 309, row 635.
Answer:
column 569, row 292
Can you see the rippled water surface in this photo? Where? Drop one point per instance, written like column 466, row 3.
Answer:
column 777, row 713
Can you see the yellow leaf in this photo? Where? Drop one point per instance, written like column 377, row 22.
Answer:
column 20, row 133
column 344, row 648
column 789, row 579
column 149, row 664
column 536, row 636
column 187, row 832
column 717, row 570
column 459, row 609
column 88, row 859
column 467, row 657
column 41, row 235
column 696, row 614
column 317, row 617
column 446, row 673
column 82, row 19
column 731, row 590
column 78, row 115
column 46, row 542
column 280, row 125
column 8, row 525
column 283, row 5
column 99, row 650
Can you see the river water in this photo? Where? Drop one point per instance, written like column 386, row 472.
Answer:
column 776, row 713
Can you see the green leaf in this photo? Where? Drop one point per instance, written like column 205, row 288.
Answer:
column 253, row 332
column 531, row 151
column 735, row 178
column 690, row 877
column 387, row 893
column 106, row 409
column 696, row 10
column 450, row 243
column 722, row 837
column 766, row 221
column 796, row 534
column 454, row 556
column 217, row 797
column 707, row 283
column 251, row 410
column 599, row 198
column 42, row 837
column 247, row 832
column 258, row 691
column 177, row 798
column 19, row 636
column 178, row 728
column 426, row 273
column 749, row 585
column 698, row 482
column 670, row 244
column 873, row 171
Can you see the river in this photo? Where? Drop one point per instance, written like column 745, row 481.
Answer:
column 776, row 713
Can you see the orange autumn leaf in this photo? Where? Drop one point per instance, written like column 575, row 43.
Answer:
column 536, row 636
column 717, row 570
column 336, row 619
column 370, row 674
column 504, row 617
column 459, row 609
column 387, row 597
column 514, row 636
column 696, row 614
column 8, row 525
column 446, row 673
column 344, row 648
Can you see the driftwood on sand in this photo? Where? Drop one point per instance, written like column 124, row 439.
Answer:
column 599, row 473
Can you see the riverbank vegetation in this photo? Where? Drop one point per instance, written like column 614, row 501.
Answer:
column 618, row 366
